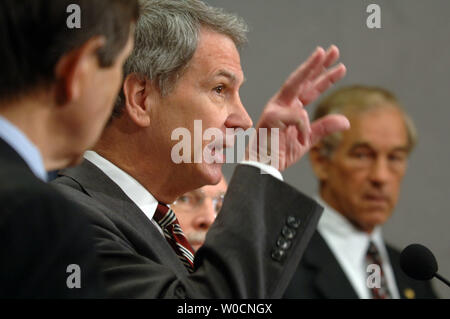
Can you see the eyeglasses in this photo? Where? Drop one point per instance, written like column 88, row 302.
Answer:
column 195, row 199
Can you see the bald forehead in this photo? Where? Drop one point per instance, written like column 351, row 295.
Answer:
column 380, row 126
column 350, row 110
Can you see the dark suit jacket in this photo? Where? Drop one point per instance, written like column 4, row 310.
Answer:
column 41, row 234
column 319, row 276
column 240, row 257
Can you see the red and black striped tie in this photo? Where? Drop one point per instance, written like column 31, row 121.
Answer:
column 168, row 222
column 373, row 257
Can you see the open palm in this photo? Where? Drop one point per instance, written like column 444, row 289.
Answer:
column 286, row 109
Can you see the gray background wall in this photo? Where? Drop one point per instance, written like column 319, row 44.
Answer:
column 410, row 55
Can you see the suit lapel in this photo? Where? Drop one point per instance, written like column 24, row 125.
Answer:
column 100, row 187
column 329, row 280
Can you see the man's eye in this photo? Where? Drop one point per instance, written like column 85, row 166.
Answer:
column 361, row 155
column 183, row 199
column 396, row 157
column 219, row 89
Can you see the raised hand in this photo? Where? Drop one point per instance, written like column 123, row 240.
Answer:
column 285, row 110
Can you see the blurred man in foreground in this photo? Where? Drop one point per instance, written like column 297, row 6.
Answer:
column 360, row 173
column 196, row 211
column 57, row 88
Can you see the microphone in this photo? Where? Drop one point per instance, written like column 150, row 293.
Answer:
column 418, row 262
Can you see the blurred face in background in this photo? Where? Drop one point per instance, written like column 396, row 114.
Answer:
column 197, row 210
column 361, row 178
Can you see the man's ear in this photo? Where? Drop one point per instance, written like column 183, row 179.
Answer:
column 75, row 68
column 137, row 90
column 319, row 161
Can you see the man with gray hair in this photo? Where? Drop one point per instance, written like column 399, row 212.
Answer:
column 185, row 68
column 359, row 173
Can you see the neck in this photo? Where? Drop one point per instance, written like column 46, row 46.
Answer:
column 34, row 119
column 132, row 151
column 333, row 202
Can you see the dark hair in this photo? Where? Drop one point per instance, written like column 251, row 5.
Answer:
column 34, row 35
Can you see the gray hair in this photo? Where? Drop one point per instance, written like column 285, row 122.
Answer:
column 166, row 38
column 358, row 99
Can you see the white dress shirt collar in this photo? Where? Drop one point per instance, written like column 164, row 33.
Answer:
column 347, row 234
column 24, row 147
column 146, row 202
column 131, row 187
column 349, row 245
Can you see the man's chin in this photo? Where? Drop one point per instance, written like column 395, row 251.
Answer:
column 76, row 160
column 212, row 173
column 201, row 174
column 375, row 219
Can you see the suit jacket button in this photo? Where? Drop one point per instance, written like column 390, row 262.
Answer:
column 278, row 254
column 288, row 233
column 293, row 222
column 283, row 243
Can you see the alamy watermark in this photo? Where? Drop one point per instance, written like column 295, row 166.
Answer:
column 373, row 20
column 263, row 145
column 374, row 279
column 74, row 18
column 74, row 279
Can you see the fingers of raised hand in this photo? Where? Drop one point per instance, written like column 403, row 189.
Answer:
column 328, row 125
column 323, row 83
column 281, row 117
column 290, row 90
column 331, row 56
column 312, row 77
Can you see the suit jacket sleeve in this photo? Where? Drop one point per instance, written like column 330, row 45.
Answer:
column 251, row 250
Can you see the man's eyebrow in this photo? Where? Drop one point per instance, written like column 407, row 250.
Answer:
column 197, row 192
column 367, row 145
column 401, row 149
column 360, row 144
column 230, row 75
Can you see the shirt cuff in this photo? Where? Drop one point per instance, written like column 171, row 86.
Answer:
column 265, row 169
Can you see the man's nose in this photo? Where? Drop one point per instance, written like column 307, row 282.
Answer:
column 238, row 116
column 205, row 216
column 380, row 172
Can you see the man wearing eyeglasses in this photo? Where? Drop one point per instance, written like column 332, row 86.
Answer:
column 197, row 210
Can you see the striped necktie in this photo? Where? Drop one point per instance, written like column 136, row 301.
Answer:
column 373, row 257
column 174, row 235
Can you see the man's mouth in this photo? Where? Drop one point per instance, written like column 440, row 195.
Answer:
column 217, row 150
column 196, row 239
column 377, row 198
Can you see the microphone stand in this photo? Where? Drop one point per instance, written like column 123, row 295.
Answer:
column 445, row 281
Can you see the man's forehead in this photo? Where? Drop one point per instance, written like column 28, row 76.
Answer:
column 395, row 140
column 382, row 127
column 217, row 52
column 370, row 144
